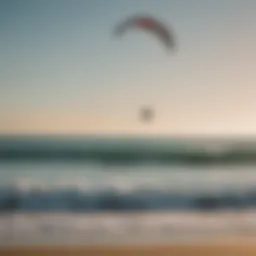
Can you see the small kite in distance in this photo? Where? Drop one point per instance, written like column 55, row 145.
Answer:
column 146, row 114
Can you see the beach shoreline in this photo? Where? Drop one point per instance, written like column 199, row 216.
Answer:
column 233, row 247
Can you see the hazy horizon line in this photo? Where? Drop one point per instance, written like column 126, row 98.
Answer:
column 129, row 135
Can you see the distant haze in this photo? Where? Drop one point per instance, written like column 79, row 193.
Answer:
column 62, row 71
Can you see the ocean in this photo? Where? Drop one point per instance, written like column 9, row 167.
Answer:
column 110, row 189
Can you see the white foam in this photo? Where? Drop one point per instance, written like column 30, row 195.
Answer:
column 125, row 179
column 176, row 182
column 97, row 228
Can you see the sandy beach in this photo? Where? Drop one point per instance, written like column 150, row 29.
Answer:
column 227, row 249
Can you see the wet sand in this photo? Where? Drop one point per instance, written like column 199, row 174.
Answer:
column 232, row 249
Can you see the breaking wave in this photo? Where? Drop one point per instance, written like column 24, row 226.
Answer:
column 79, row 199
column 126, row 151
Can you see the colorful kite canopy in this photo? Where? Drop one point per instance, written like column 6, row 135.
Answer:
column 148, row 24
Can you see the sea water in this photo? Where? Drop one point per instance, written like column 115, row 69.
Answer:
column 97, row 190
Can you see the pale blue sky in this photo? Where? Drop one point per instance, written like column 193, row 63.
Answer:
column 62, row 70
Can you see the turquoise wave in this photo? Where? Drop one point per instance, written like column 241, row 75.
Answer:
column 127, row 150
column 68, row 200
